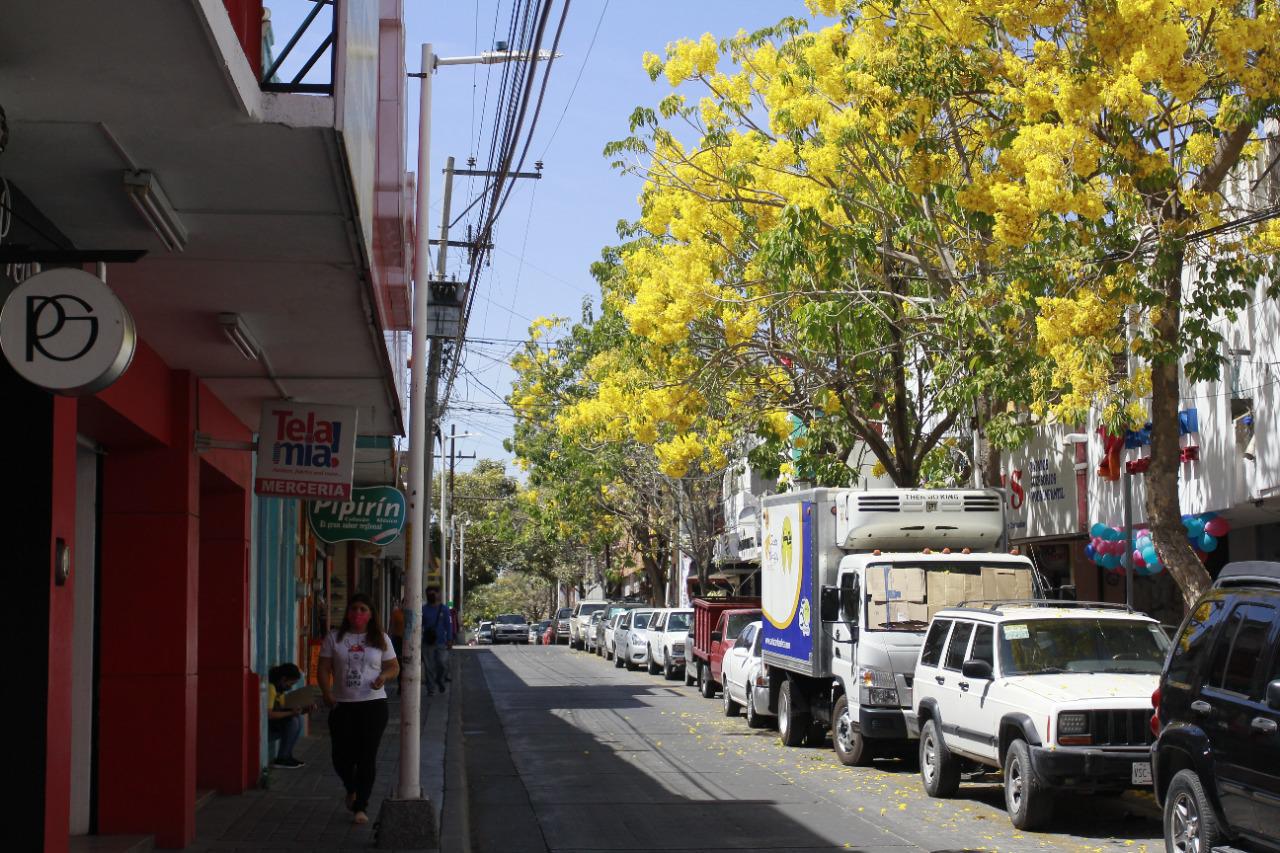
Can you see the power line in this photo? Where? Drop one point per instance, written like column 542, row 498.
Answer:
column 576, row 81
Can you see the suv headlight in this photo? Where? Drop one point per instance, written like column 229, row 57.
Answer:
column 1073, row 729
column 877, row 687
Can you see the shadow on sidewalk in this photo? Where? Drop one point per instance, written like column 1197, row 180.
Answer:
column 303, row 809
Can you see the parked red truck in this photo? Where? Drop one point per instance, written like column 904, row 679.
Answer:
column 717, row 619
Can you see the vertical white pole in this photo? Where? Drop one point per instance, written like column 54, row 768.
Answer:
column 444, row 509
column 462, row 568
column 410, row 787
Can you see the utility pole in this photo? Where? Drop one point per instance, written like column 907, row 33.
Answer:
column 407, row 819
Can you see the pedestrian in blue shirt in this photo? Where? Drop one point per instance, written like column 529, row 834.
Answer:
column 437, row 637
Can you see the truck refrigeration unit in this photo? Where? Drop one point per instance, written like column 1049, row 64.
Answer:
column 849, row 580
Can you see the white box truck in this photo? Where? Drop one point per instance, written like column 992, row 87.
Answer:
column 849, row 581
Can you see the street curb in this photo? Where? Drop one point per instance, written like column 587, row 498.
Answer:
column 455, row 819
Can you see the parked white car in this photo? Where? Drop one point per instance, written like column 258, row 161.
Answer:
column 667, row 636
column 578, row 622
column 746, row 681
column 1056, row 694
column 611, row 634
column 632, row 641
column 589, row 631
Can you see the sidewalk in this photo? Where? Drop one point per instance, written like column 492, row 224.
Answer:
column 303, row 810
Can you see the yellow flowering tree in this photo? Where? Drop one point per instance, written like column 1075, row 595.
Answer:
column 916, row 209
column 600, row 445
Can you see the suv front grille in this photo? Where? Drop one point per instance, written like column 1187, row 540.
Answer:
column 1121, row 728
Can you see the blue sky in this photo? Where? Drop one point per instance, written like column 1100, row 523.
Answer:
column 553, row 229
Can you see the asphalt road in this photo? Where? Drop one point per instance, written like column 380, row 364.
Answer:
column 566, row 753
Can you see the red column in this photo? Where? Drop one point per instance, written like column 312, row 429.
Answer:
column 225, row 738
column 57, row 812
column 147, row 652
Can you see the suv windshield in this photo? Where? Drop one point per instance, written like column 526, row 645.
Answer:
column 678, row 622
column 511, row 619
column 1049, row 646
column 588, row 609
column 564, row 613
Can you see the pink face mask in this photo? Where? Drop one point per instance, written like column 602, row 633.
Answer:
column 358, row 619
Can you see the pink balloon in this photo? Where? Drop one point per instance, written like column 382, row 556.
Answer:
column 1138, row 562
column 1217, row 527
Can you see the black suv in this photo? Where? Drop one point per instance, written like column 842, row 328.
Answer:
column 1216, row 762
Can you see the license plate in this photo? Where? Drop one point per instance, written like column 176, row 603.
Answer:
column 1141, row 774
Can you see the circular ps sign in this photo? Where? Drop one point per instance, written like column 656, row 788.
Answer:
column 66, row 331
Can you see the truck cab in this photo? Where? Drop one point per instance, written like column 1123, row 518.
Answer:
column 850, row 580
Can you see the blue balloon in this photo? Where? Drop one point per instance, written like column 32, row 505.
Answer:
column 1150, row 555
column 1089, row 552
column 1208, row 542
column 1208, row 516
column 1098, row 529
column 1112, row 535
column 1111, row 561
column 1197, row 525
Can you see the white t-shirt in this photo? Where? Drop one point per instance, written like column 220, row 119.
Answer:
column 356, row 664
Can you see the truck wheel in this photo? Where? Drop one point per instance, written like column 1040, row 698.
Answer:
column 939, row 770
column 793, row 724
column 1190, row 823
column 730, row 706
column 1029, row 806
column 706, row 686
column 851, row 747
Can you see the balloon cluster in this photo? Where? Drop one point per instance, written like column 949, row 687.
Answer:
column 1204, row 530
column 1107, row 546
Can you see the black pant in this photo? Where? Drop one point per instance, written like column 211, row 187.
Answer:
column 355, row 729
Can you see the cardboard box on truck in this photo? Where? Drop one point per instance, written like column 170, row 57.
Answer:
column 1003, row 584
column 895, row 584
column 947, row 589
column 882, row 612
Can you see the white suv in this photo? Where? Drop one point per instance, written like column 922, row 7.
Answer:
column 667, row 634
column 578, row 623
column 1056, row 694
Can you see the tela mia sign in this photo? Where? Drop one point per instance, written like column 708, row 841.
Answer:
column 306, row 451
column 65, row 330
column 375, row 514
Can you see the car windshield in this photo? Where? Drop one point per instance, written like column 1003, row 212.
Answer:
column 640, row 620
column 736, row 622
column 511, row 619
column 1053, row 646
column 678, row 622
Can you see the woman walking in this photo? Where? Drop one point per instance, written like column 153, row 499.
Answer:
column 356, row 661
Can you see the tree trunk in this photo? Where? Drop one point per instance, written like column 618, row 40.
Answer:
column 1163, row 508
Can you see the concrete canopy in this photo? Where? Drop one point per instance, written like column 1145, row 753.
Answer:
column 261, row 182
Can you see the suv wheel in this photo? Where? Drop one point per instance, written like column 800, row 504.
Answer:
column 1190, row 823
column 1029, row 807
column 706, row 686
column 939, row 770
column 667, row 672
column 851, row 747
column 793, row 724
column 730, row 706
